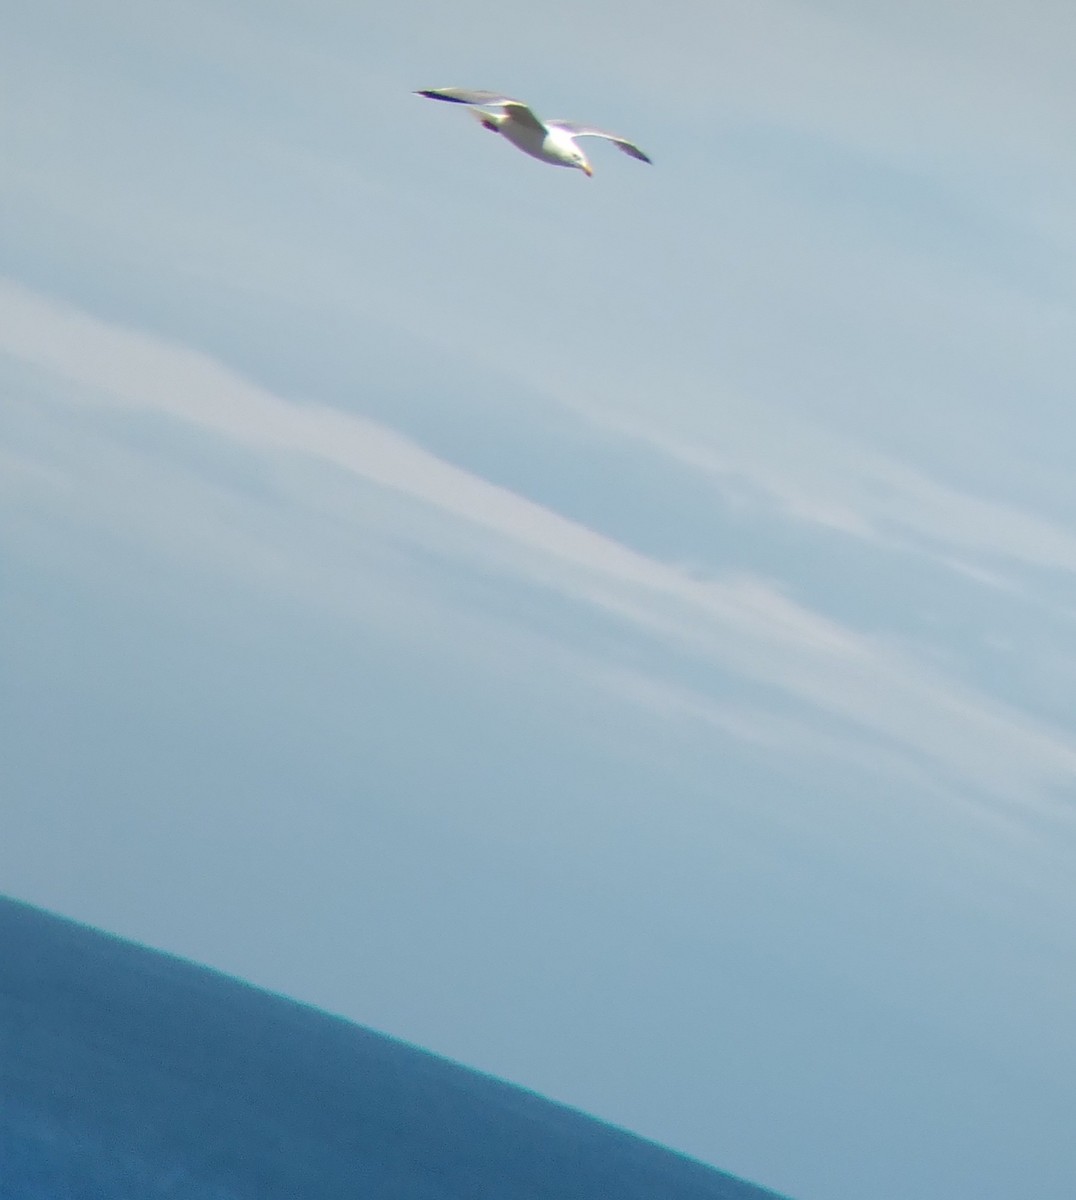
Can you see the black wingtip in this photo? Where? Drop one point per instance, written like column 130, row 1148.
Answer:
column 432, row 95
column 635, row 152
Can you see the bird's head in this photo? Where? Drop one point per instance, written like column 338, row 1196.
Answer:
column 579, row 159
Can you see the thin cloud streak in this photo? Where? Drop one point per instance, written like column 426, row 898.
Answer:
column 874, row 498
column 740, row 623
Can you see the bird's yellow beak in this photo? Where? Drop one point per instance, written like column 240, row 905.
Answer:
column 588, row 168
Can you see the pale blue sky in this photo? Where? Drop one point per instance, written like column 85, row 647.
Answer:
column 618, row 633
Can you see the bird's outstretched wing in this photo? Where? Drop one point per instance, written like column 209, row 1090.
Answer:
column 515, row 110
column 577, row 130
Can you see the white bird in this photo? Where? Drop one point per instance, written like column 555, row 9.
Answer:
column 551, row 141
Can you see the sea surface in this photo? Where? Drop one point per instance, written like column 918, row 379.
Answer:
column 127, row 1074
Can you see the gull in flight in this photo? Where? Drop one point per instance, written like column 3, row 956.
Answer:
column 551, row 141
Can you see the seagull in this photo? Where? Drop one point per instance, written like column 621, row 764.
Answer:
column 551, row 141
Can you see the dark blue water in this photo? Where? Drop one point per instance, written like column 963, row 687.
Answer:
column 127, row 1073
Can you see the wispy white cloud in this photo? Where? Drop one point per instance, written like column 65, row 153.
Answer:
column 771, row 444
column 860, row 492
column 737, row 623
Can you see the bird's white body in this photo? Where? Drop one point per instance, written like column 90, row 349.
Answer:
column 551, row 145
column 551, row 142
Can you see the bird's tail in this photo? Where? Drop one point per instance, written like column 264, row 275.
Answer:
column 490, row 121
